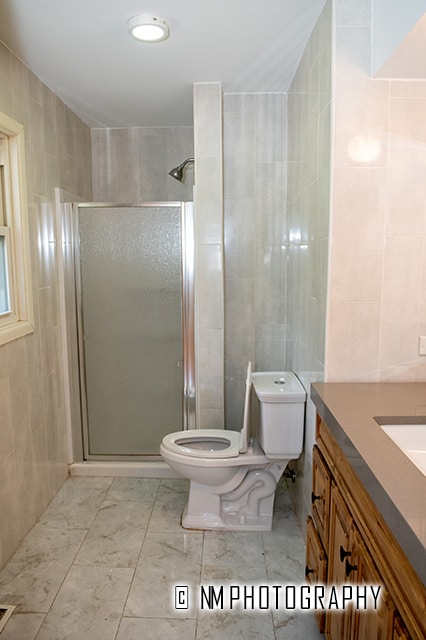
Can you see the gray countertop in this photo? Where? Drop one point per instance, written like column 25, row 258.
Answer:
column 395, row 484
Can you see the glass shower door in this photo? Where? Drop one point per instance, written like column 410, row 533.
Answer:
column 132, row 289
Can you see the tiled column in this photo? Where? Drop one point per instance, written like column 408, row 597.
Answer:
column 208, row 199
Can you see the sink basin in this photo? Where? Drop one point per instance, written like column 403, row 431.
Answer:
column 411, row 438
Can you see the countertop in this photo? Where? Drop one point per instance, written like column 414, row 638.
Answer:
column 396, row 485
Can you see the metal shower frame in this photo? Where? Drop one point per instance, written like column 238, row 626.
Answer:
column 188, row 308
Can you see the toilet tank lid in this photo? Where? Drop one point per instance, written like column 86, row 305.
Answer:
column 278, row 386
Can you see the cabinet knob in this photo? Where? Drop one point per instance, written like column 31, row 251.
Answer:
column 314, row 497
column 308, row 571
column 349, row 568
column 343, row 553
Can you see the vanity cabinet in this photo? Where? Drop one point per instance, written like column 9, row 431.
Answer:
column 320, row 495
column 348, row 542
column 374, row 623
column 316, row 564
column 340, row 561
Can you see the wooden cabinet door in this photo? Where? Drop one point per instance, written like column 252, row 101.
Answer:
column 340, row 562
column 374, row 624
column 320, row 496
column 316, row 564
column 399, row 630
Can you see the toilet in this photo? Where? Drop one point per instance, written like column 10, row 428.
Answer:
column 233, row 478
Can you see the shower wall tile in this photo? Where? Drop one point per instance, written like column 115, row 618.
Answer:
column 240, row 238
column 209, row 262
column 32, row 426
column 255, row 188
column 209, row 223
column 131, row 165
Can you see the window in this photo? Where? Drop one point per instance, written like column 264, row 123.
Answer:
column 16, row 309
column 5, row 306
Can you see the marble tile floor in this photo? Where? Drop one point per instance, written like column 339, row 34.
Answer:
column 102, row 562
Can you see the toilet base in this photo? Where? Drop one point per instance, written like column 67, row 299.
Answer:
column 247, row 507
column 231, row 522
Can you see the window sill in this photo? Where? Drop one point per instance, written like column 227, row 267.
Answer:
column 15, row 330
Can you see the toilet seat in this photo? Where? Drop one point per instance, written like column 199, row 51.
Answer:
column 213, row 443
column 204, row 443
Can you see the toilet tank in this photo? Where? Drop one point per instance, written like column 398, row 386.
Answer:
column 282, row 399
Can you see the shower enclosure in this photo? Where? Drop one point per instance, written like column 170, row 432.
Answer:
column 135, row 270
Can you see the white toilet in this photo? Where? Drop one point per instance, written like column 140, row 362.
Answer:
column 233, row 479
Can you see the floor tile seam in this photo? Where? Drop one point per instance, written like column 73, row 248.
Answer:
column 203, row 539
column 52, row 604
column 39, row 629
column 88, row 491
column 122, row 616
column 48, row 527
column 164, row 531
column 238, row 579
column 67, row 525
column 155, row 617
column 99, row 523
column 148, row 523
column 172, row 618
column 131, row 582
column 100, row 508
column 84, row 564
column 136, row 499
column 129, row 500
column 103, row 565
column 70, row 566
column 150, row 515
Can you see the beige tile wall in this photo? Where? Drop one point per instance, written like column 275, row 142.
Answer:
column 377, row 308
column 376, row 290
column 33, row 453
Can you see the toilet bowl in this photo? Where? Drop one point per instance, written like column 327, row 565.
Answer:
column 233, row 479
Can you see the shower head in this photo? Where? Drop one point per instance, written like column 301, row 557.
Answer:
column 177, row 172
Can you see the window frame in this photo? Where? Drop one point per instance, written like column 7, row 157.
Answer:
column 5, row 233
column 19, row 321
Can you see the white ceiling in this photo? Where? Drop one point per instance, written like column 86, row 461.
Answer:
column 82, row 50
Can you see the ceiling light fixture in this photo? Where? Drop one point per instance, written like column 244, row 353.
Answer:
column 148, row 28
